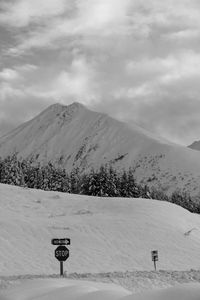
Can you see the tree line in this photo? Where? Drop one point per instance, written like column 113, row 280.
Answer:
column 104, row 182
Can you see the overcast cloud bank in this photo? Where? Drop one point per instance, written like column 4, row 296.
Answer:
column 136, row 60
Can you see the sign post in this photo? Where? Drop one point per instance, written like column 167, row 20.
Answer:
column 61, row 268
column 61, row 252
column 154, row 255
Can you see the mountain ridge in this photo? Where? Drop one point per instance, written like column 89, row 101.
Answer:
column 195, row 146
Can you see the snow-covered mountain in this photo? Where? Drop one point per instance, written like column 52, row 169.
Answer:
column 195, row 145
column 107, row 234
column 74, row 136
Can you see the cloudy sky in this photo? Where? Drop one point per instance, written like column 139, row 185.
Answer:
column 136, row 60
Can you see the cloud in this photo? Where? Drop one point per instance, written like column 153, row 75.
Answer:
column 7, row 91
column 17, row 105
column 9, row 74
column 87, row 19
column 160, row 72
column 94, row 19
column 20, row 13
column 103, row 16
column 26, row 68
column 74, row 82
column 17, row 102
column 161, row 94
column 134, row 59
column 17, row 72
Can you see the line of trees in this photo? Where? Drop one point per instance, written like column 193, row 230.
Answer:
column 104, row 182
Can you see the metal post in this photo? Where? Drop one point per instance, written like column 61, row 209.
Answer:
column 155, row 264
column 61, row 268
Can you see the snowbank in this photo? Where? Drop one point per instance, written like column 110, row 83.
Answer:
column 107, row 234
column 182, row 292
column 61, row 289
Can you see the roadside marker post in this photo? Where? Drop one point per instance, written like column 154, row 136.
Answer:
column 61, row 252
column 154, row 256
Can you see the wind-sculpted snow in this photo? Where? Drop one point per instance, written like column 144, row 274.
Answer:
column 62, row 289
column 107, row 234
column 182, row 292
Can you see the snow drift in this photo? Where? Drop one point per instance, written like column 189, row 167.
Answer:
column 107, row 234
column 61, row 289
column 183, row 292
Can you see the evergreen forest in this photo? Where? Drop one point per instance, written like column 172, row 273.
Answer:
column 103, row 182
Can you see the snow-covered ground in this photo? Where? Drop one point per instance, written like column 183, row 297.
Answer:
column 51, row 289
column 107, row 234
column 61, row 289
column 182, row 292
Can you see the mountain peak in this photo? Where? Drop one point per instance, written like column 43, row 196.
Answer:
column 75, row 106
column 195, row 145
column 58, row 107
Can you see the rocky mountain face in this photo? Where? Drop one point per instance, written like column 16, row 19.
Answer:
column 74, row 136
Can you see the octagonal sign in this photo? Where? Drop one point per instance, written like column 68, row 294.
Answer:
column 62, row 253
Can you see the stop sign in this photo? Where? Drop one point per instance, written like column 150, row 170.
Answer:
column 62, row 253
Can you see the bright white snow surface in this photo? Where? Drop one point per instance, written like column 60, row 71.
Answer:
column 107, row 234
column 181, row 292
column 61, row 289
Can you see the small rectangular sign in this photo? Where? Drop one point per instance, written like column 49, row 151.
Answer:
column 64, row 241
column 154, row 255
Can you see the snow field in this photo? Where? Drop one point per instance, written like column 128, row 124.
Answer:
column 107, row 234
column 182, row 292
column 61, row 289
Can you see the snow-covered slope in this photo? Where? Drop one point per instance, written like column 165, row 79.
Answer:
column 60, row 289
column 181, row 292
column 195, row 145
column 107, row 234
column 74, row 136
